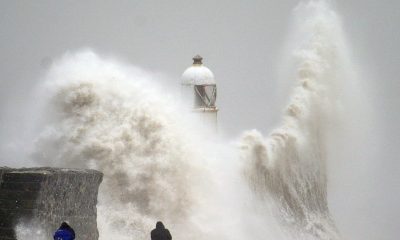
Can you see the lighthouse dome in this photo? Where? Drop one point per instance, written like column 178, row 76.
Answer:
column 198, row 74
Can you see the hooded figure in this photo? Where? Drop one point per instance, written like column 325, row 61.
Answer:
column 64, row 232
column 160, row 232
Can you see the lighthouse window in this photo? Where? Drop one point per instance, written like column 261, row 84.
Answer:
column 205, row 95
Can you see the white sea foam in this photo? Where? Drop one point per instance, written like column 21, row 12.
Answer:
column 288, row 168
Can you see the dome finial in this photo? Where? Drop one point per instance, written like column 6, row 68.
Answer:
column 197, row 60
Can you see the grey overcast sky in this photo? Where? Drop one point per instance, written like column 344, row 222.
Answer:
column 241, row 42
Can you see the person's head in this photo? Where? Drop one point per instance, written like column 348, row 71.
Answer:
column 64, row 225
column 160, row 225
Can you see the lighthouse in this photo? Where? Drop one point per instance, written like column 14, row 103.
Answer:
column 198, row 86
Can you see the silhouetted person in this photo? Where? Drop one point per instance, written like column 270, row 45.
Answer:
column 64, row 232
column 160, row 232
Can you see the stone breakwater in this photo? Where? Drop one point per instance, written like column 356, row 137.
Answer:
column 45, row 197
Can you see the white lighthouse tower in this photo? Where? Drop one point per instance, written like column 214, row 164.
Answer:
column 199, row 87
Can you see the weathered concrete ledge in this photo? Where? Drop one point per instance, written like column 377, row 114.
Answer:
column 49, row 196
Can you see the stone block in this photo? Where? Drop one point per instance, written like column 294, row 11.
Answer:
column 47, row 197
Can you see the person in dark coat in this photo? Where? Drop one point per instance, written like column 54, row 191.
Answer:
column 160, row 232
column 64, row 232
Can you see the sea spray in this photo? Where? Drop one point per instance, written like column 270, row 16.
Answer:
column 104, row 115
column 288, row 169
column 159, row 163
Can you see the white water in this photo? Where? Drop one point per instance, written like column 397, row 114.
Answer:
column 288, row 169
column 102, row 114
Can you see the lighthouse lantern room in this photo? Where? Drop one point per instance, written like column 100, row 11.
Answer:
column 199, row 87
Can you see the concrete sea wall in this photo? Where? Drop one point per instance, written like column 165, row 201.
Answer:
column 47, row 197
